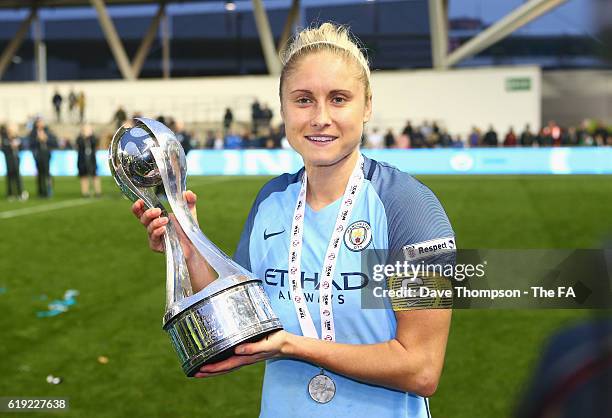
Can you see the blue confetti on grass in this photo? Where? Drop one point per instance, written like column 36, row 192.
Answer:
column 59, row 306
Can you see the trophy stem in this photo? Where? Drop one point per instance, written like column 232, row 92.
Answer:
column 174, row 184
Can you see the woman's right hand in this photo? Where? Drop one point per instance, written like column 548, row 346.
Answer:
column 155, row 224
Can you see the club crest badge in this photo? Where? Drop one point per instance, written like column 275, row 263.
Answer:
column 358, row 236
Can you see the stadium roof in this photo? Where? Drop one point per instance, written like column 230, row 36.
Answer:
column 19, row 4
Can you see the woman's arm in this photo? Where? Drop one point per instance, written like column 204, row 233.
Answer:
column 411, row 362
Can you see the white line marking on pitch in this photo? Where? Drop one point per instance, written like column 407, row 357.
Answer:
column 43, row 208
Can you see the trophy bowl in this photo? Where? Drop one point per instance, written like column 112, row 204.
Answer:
column 206, row 326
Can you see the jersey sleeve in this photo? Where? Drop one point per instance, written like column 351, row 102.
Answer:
column 420, row 236
column 418, row 227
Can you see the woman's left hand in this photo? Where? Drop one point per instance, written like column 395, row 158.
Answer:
column 268, row 347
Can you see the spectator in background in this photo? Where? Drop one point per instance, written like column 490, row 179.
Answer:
column 57, row 105
column 43, row 142
column 209, row 140
column 544, row 138
column 375, row 140
column 87, row 144
column 600, row 133
column 403, row 141
column 458, row 142
column 276, row 136
column 390, row 139
column 527, row 137
column 510, row 139
column 250, row 139
column 266, row 116
column 426, row 131
column 228, row 118
column 233, row 141
column 571, row 137
column 255, row 115
column 81, row 106
column 72, row 104
column 408, row 129
column 11, row 145
column 120, row 117
column 474, row 139
column 490, row 138
column 554, row 131
column 183, row 136
column 444, row 138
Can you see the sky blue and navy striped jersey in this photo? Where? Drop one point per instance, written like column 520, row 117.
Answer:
column 393, row 210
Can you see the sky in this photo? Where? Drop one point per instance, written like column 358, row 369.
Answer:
column 573, row 17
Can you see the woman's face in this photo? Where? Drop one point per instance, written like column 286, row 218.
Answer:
column 324, row 108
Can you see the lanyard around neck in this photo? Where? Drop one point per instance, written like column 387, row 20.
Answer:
column 329, row 262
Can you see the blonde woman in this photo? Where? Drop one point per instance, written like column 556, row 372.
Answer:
column 304, row 238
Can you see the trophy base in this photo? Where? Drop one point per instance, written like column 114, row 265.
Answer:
column 218, row 320
column 195, row 364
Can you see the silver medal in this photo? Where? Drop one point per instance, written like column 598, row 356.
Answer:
column 321, row 388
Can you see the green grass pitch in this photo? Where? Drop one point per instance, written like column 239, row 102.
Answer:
column 99, row 249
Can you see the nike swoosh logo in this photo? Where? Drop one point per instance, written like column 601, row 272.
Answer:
column 266, row 236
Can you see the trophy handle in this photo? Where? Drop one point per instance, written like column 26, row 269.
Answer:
column 174, row 181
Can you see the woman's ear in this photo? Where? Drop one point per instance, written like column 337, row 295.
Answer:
column 368, row 110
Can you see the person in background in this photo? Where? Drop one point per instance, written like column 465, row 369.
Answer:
column 527, row 138
column 87, row 143
column 183, row 136
column 408, row 129
column 375, row 140
column 444, row 138
column 474, row 138
column 72, row 104
column 544, row 138
column 120, row 117
column 255, row 115
column 490, row 138
column 57, row 105
column 209, row 140
column 266, row 116
column 228, row 118
column 510, row 139
column 81, row 106
column 43, row 142
column 389, row 139
column 233, row 141
column 276, row 136
column 11, row 145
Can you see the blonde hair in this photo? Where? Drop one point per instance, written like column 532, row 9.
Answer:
column 327, row 37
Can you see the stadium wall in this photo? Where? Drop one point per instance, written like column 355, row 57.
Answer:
column 568, row 97
column 587, row 160
column 457, row 99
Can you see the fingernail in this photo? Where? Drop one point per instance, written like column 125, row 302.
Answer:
column 239, row 350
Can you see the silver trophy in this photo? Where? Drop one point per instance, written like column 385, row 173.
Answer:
column 206, row 326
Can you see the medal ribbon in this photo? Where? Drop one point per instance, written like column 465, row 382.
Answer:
column 329, row 262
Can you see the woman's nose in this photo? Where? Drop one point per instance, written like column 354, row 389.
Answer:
column 321, row 117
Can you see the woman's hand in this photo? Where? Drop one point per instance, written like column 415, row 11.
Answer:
column 271, row 346
column 156, row 224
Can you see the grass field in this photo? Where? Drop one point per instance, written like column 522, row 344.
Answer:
column 98, row 248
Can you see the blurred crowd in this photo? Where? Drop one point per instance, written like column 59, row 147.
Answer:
column 258, row 133
column 426, row 135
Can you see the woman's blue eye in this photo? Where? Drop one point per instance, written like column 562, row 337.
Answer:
column 339, row 100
